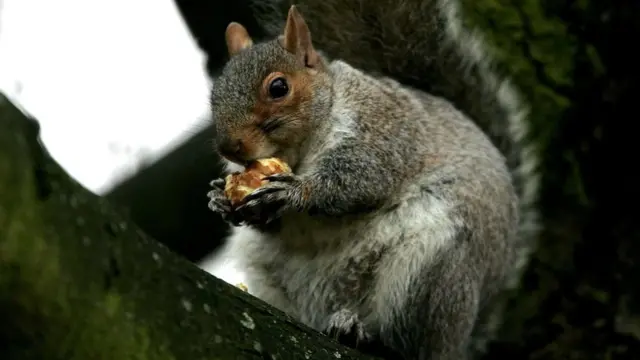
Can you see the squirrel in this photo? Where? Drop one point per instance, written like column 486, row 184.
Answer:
column 411, row 206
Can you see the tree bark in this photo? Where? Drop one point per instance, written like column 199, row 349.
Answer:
column 78, row 280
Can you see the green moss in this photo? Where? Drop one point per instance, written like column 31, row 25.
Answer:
column 537, row 51
column 41, row 300
column 596, row 61
column 84, row 323
column 536, row 48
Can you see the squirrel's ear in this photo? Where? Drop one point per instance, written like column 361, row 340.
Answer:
column 237, row 38
column 297, row 39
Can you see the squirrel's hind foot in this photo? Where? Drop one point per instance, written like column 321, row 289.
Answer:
column 346, row 323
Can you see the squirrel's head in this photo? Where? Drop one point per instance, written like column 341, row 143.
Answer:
column 269, row 95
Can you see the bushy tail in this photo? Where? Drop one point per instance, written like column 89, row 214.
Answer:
column 424, row 44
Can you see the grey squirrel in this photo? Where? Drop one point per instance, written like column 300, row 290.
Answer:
column 411, row 206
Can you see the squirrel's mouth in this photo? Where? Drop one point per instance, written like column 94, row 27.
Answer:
column 241, row 157
column 235, row 159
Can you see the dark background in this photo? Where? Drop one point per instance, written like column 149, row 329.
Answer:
column 577, row 64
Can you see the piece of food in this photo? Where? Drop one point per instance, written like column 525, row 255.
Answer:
column 242, row 287
column 239, row 185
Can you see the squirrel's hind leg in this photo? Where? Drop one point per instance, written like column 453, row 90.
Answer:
column 436, row 317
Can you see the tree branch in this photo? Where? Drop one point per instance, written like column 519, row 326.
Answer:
column 79, row 281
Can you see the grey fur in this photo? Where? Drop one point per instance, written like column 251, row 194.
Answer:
column 425, row 44
column 414, row 220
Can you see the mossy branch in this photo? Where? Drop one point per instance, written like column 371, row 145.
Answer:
column 78, row 280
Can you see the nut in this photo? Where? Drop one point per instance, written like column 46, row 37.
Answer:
column 240, row 184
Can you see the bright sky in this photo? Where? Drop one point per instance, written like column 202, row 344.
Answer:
column 111, row 82
column 102, row 77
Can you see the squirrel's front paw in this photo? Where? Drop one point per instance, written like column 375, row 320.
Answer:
column 219, row 203
column 270, row 201
column 346, row 323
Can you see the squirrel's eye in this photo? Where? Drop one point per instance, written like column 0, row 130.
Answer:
column 278, row 88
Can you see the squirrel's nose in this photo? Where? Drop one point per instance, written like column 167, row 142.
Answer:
column 231, row 149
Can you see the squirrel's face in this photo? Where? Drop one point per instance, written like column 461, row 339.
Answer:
column 263, row 104
column 268, row 95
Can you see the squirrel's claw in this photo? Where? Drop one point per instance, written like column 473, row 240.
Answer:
column 218, row 183
column 219, row 204
column 346, row 323
column 262, row 210
column 270, row 201
column 282, row 177
column 260, row 192
column 266, row 204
